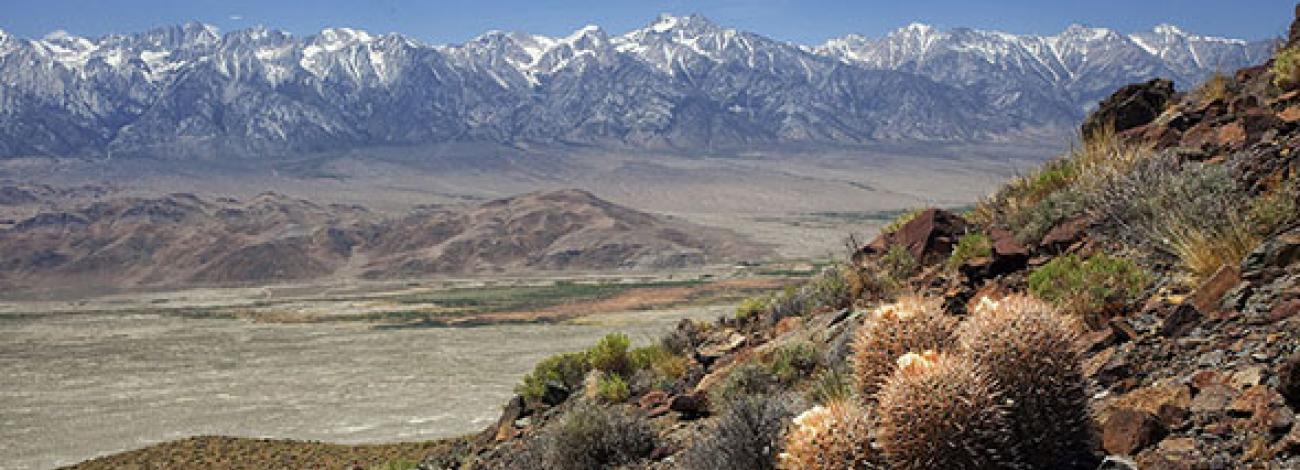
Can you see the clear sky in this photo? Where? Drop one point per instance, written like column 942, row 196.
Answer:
column 801, row 21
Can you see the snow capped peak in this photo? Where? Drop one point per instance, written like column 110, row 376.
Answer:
column 919, row 28
column 1168, row 30
column 688, row 25
column 345, row 36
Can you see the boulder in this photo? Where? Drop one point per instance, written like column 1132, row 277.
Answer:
column 1127, row 431
column 929, row 237
column 1289, row 379
column 1132, row 106
column 691, row 405
column 1207, row 296
column 1066, row 234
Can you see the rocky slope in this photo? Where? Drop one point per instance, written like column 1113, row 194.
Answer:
column 1134, row 304
column 679, row 83
column 181, row 239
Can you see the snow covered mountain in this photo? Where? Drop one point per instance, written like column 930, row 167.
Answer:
column 680, row 82
column 1060, row 75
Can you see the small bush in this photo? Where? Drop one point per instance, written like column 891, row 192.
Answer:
column 833, row 383
column 747, row 437
column 743, row 381
column 399, row 464
column 1204, row 251
column 683, row 339
column 1286, row 68
column 612, row 388
column 1185, row 211
column 1088, row 287
column 1216, row 88
column 753, row 307
column 610, row 354
column 793, row 362
column 664, row 364
column 594, row 436
column 567, row 370
column 971, row 246
column 898, row 265
column 1274, row 210
column 831, row 437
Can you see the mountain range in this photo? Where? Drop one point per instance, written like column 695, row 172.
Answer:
column 681, row 82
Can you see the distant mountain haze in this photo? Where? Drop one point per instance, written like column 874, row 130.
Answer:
column 681, row 82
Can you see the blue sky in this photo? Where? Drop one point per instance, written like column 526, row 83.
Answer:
column 802, row 21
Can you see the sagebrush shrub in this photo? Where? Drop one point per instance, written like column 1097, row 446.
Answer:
column 747, row 436
column 566, row 370
column 1286, row 68
column 794, row 361
column 595, row 436
column 610, row 354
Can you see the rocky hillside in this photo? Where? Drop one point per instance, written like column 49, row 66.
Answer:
column 1132, row 304
column 681, row 82
column 181, row 239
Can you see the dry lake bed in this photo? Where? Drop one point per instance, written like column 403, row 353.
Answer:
column 80, row 385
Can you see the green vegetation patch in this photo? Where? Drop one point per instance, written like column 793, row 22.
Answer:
column 1090, row 286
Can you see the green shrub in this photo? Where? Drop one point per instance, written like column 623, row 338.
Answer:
column 594, row 436
column 1169, row 209
column 610, row 354
column 567, row 370
column 971, row 246
column 1274, row 210
column 1091, row 286
column 752, row 307
column 831, row 384
column 745, row 380
column 898, row 265
column 1216, row 88
column 1286, row 68
column 612, row 388
column 399, row 464
column 660, row 361
column 794, row 361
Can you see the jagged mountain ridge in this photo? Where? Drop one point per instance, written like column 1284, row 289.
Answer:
column 189, row 91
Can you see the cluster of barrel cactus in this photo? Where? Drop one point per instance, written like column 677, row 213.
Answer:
column 1002, row 388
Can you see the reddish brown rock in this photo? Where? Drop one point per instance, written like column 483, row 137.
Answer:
column 1288, row 375
column 1291, row 114
column 1284, row 310
column 653, row 399
column 1264, row 409
column 929, row 237
column 1198, row 136
column 1232, row 135
column 1129, row 107
column 1213, row 399
column 1207, row 296
column 1169, row 402
column 1126, row 431
column 691, row 405
column 1065, row 234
